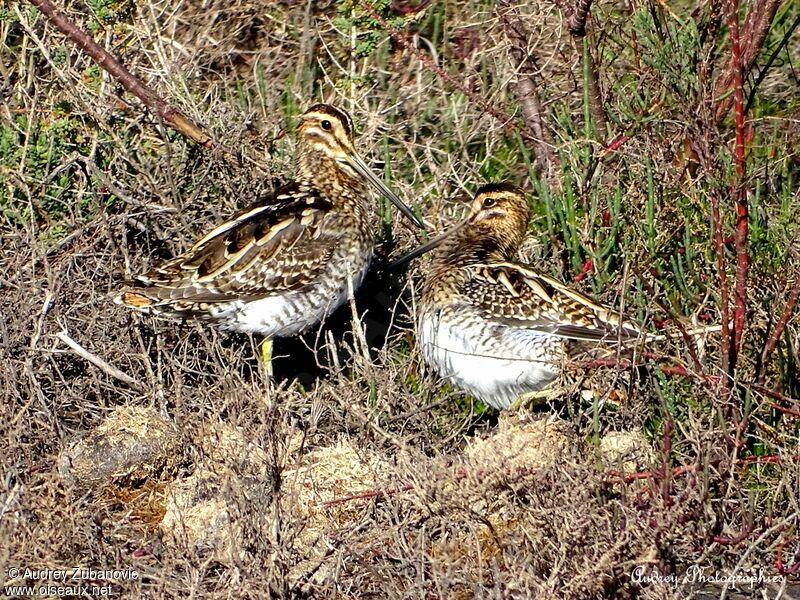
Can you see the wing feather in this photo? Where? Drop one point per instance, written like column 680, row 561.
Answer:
column 519, row 296
column 279, row 245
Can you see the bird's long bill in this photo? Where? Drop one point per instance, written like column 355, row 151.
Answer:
column 361, row 167
column 407, row 258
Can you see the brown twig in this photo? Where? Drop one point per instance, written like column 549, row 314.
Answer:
column 762, row 74
column 100, row 363
column 525, row 87
column 170, row 115
column 674, row 318
column 777, row 332
column 624, row 363
column 793, row 569
column 719, row 248
column 596, row 107
column 576, row 24
column 658, row 475
column 411, row 8
column 577, row 21
column 734, row 540
column 776, row 395
column 368, row 494
column 782, row 409
column 666, row 449
column 698, row 468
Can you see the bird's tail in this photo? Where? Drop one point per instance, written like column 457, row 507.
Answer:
column 135, row 300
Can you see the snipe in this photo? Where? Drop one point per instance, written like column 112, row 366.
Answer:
column 495, row 328
column 285, row 263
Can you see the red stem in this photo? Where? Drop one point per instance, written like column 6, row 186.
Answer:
column 783, row 569
column 782, row 409
column 667, row 450
column 368, row 494
column 776, row 395
column 697, row 468
column 658, row 475
column 742, row 209
column 689, row 343
column 723, row 300
column 735, row 540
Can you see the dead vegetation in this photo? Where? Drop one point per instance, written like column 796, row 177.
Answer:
column 356, row 473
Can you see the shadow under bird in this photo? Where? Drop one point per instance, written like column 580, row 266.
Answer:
column 495, row 328
column 284, row 264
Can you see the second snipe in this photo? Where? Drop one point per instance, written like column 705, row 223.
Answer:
column 495, row 328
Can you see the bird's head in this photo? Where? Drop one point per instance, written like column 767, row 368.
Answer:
column 500, row 211
column 325, row 136
column 494, row 229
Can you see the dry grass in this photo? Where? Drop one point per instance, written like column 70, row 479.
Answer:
column 435, row 497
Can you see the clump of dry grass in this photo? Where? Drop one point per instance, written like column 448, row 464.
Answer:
column 357, row 472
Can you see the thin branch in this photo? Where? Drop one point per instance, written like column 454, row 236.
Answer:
column 792, row 569
column 100, row 363
column 405, row 41
column 658, row 475
column 777, row 332
column 782, row 409
column 525, row 87
column 762, row 74
column 719, row 248
column 754, row 33
column 577, row 17
column 577, row 21
column 698, row 468
column 170, row 115
column 367, row 494
column 734, row 540
column 776, row 395
column 591, row 73
column 690, row 348
column 409, row 8
column 624, row 363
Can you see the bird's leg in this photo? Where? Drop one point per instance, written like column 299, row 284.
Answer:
column 530, row 399
column 266, row 356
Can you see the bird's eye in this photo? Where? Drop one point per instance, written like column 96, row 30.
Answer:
column 489, row 202
column 326, row 125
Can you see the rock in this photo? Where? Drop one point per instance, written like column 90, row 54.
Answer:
column 132, row 444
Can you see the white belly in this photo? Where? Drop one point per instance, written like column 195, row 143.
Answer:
column 493, row 362
column 289, row 314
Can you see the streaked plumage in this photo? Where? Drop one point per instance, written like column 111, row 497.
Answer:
column 285, row 263
column 495, row 328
